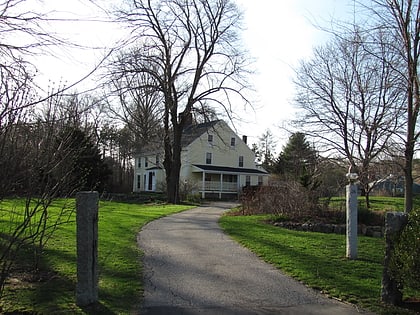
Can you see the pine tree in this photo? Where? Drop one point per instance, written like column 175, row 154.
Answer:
column 298, row 161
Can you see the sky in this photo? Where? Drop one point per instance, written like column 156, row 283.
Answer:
column 277, row 34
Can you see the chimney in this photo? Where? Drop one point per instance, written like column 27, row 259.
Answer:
column 245, row 139
column 188, row 118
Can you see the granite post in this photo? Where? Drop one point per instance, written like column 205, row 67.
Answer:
column 351, row 221
column 390, row 290
column 87, row 247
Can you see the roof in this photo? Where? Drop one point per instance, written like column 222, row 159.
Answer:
column 189, row 134
column 192, row 132
column 226, row 169
column 154, row 168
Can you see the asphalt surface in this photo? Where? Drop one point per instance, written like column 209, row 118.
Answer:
column 192, row 267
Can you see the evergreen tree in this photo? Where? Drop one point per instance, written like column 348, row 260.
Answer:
column 265, row 150
column 82, row 161
column 298, row 161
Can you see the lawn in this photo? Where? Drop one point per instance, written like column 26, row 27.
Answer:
column 376, row 203
column 120, row 281
column 316, row 259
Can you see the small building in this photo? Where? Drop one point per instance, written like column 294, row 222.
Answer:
column 392, row 186
column 215, row 162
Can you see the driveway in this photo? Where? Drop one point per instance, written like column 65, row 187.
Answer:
column 192, row 267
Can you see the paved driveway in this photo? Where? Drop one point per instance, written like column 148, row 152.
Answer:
column 192, row 267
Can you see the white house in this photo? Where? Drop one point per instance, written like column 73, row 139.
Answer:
column 215, row 162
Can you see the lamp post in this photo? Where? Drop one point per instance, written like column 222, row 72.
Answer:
column 351, row 216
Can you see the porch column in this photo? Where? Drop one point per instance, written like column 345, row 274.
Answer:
column 238, row 184
column 221, row 186
column 203, row 194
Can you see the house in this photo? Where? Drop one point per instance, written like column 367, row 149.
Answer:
column 215, row 163
column 391, row 186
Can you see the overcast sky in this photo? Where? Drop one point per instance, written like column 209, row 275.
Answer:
column 278, row 33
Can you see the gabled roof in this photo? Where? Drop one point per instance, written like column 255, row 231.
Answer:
column 192, row 132
column 189, row 134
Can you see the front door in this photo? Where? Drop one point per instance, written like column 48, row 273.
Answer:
column 150, row 181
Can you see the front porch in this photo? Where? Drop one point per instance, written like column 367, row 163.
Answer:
column 224, row 182
column 219, row 185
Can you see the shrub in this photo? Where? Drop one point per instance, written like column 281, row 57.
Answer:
column 285, row 198
column 193, row 198
column 405, row 261
column 187, row 190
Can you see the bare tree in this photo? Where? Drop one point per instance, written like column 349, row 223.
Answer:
column 34, row 151
column 402, row 18
column 22, row 30
column 44, row 155
column 133, row 97
column 191, row 50
column 350, row 99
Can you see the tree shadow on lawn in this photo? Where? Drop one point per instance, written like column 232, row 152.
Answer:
column 46, row 290
column 326, row 268
column 312, row 260
column 412, row 304
column 59, row 292
column 97, row 309
column 119, row 281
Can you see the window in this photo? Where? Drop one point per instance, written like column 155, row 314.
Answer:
column 139, row 162
column 138, row 181
column 208, row 158
column 229, row 178
column 260, row 180
column 157, row 159
column 232, row 141
column 146, row 162
column 241, row 161
column 210, row 138
column 248, row 180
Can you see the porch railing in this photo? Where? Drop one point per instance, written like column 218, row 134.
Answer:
column 220, row 186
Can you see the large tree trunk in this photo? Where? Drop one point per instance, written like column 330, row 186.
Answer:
column 410, row 140
column 172, row 178
column 408, row 184
column 172, row 164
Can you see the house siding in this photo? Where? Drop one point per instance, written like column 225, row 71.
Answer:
column 223, row 153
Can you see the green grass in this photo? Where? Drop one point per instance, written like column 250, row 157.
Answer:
column 120, row 281
column 316, row 259
column 376, row 203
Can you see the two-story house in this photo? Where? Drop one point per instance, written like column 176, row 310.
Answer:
column 215, row 163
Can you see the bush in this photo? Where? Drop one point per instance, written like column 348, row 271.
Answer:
column 193, row 198
column 405, row 261
column 370, row 217
column 284, row 199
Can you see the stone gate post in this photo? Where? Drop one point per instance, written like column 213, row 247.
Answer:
column 87, row 247
column 351, row 216
column 394, row 223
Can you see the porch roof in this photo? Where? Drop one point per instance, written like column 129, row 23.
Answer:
column 229, row 170
column 153, row 168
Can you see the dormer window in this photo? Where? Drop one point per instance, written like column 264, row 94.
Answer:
column 146, row 162
column 232, row 141
column 139, row 162
column 210, row 138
